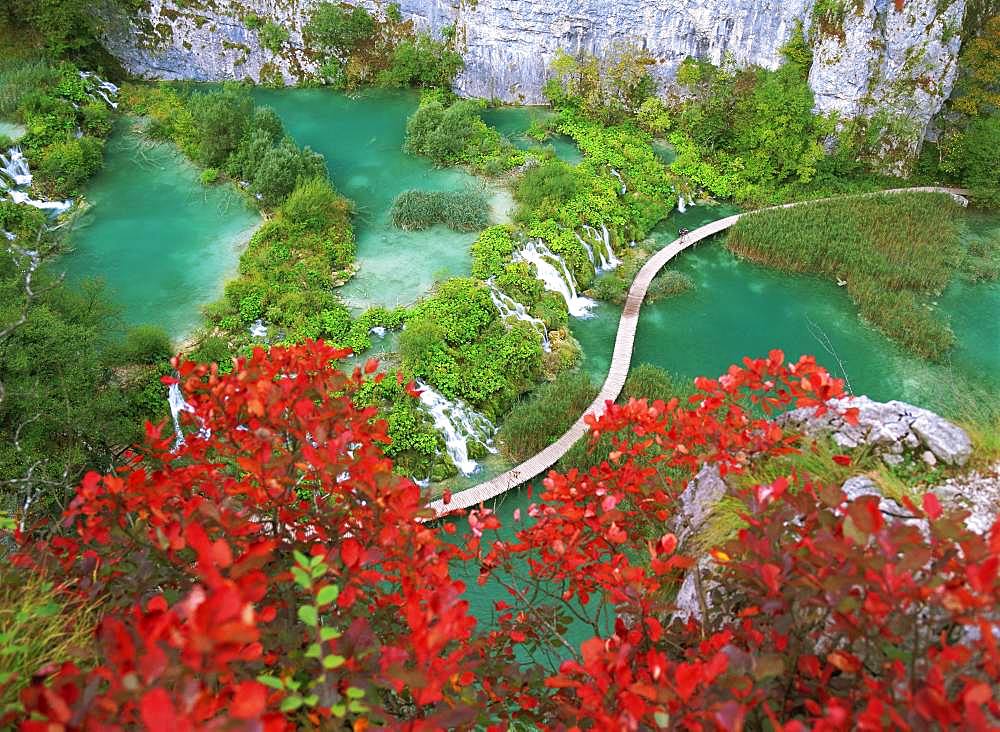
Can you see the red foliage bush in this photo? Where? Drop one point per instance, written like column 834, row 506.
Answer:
column 271, row 572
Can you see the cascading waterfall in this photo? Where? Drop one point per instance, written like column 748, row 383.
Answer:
column 15, row 174
column 458, row 424
column 101, row 88
column 621, row 180
column 605, row 254
column 511, row 308
column 562, row 282
column 613, row 261
column 681, row 206
column 258, row 329
column 178, row 404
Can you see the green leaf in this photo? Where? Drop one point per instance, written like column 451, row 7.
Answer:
column 302, row 578
column 273, row 681
column 291, row 703
column 334, row 661
column 308, row 615
column 357, row 707
column 314, row 651
column 338, row 710
column 301, row 559
column 354, row 692
column 319, row 570
column 662, row 719
column 326, row 634
column 327, row 595
column 311, row 700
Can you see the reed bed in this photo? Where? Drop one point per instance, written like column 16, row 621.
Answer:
column 893, row 251
column 415, row 210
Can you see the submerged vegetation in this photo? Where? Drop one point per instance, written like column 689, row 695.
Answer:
column 458, row 210
column 892, row 252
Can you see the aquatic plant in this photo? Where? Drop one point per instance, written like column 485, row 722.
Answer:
column 539, row 420
column 891, row 251
column 458, row 210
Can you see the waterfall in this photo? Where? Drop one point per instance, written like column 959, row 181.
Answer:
column 613, row 261
column 15, row 174
column 178, row 404
column 101, row 87
column 15, row 166
column 589, row 249
column 621, row 180
column 681, row 207
column 508, row 307
column 458, row 424
column 378, row 331
column 258, row 329
column 555, row 280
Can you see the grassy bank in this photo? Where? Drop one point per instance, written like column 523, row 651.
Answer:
column 893, row 252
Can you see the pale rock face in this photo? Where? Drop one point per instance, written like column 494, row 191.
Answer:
column 904, row 62
column 900, row 63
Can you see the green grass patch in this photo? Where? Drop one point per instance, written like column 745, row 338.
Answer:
column 542, row 418
column 414, row 210
column 892, row 251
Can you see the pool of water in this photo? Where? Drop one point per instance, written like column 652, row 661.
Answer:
column 513, row 123
column 163, row 243
column 361, row 135
column 739, row 309
column 12, row 130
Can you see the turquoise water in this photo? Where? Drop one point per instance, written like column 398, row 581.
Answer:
column 361, row 136
column 163, row 243
column 12, row 130
column 513, row 123
column 740, row 309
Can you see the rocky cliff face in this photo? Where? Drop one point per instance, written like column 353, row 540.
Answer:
column 871, row 57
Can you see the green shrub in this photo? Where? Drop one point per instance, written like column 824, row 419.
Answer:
column 545, row 188
column 491, row 252
column 147, row 344
column 220, row 119
column 455, row 134
column 458, row 210
column 543, row 417
column 423, row 62
column 646, row 381
column 66, row 166
column 96, row 119
column 334, row 28
column 273, row 36
column 281, row 168
column 20, row 78
column 209, row 176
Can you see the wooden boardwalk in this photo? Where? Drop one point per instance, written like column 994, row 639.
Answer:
column 621, row 360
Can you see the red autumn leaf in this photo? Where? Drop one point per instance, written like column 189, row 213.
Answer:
column 842, row 459
column 371, row 365
column 932, row 507
column 249, row 700
column 350, row 552
column 158, row 712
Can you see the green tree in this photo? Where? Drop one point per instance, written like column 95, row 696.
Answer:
column 281, row 168
column 332, row 27
column 220, row 121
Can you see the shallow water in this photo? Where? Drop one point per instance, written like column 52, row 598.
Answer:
column 740, row 309
column 163, row 243
column 12, row 130
column 513, row 123
column 361, row 136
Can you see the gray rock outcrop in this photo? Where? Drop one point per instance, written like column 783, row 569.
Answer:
column 874, row 59
column 892, row 428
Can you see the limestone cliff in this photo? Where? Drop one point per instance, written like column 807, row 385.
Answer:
column 870, row 55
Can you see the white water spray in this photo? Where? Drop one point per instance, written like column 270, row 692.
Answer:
column 258, row 329
column 458, row 424
column 178, row 404
column 15, row 175
column 508, row 307
column 681, row 206
column 621, row 180
column 556, row 280
column 104, row 89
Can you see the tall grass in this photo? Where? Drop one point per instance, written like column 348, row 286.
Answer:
column 542, row 418
column 18, row 79
column 892, row 250
column 39, row 625
column 458, row 210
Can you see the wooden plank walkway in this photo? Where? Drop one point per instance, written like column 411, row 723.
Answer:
column 621, row 359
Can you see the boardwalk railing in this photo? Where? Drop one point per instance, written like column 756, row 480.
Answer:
column 621, row 359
